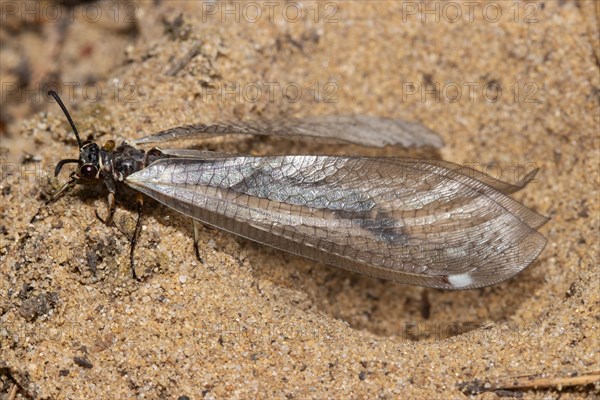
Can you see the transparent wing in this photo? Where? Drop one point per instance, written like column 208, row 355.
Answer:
column 358, row 129
column 197, row 154
column 414, row 222
column 497, row 184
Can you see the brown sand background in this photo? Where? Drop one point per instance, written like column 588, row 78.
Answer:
column 254, row 322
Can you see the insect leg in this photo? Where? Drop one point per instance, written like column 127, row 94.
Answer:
column 110, row 185
column 55, row 196
column 136, row 233
column 197, row 226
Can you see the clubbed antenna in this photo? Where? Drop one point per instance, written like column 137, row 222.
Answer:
column 62, row 106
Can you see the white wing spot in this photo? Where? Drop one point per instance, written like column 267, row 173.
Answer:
column 460, row 280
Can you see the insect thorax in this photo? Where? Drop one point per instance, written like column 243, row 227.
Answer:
column 125, row 160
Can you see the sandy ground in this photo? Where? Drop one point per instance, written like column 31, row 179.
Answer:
column 256, row 323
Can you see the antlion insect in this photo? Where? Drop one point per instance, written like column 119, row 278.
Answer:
column 421, row 222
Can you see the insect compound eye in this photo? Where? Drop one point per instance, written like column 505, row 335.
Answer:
column 88, row 171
